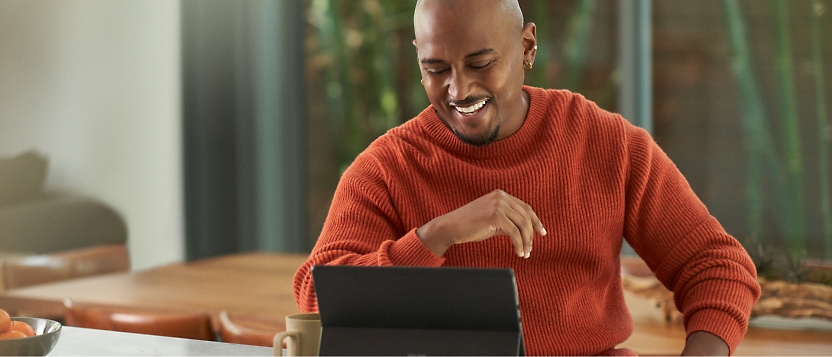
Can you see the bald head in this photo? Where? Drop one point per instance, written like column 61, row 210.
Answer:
column 503, row 13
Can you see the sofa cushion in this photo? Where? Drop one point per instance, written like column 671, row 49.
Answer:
column 21, row 177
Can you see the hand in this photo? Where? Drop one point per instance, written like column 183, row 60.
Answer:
column 701, row 343
column 496, row 213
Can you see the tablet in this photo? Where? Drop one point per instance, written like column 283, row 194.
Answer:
column 419, row 311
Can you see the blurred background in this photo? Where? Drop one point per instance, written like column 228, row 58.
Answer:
column 221, row 126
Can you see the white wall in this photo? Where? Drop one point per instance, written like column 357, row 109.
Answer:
column 95, row 86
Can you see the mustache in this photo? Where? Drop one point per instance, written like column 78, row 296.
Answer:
column 468, row 101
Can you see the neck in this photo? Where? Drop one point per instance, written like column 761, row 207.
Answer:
column 515, row 121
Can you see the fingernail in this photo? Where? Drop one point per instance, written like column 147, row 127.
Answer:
column 544, row 231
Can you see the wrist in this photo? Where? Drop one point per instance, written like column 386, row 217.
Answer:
column 431, row 237
column 703, row 343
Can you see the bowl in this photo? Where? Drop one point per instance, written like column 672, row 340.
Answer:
column 46, row 337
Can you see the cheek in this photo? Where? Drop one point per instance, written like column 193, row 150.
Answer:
column 504, row 83
column 435, row 94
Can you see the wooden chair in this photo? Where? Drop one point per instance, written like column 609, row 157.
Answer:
column 247, row 331
column 146, row 321
column 39, row 269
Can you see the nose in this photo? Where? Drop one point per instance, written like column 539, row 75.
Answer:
column 460, row 86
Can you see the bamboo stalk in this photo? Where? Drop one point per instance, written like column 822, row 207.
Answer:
column 359, row 39
column 758, row 140
column 795, row 221
column 355, row 76
column 379, row 94
column 580, row 28
column 752, row 117
column 539, row 77
column 339, row 108
column 822, row 125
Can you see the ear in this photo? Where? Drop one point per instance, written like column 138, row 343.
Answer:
column 529, row 42
column 417, row 50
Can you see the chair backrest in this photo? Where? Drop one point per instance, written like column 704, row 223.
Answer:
column 242, row 330
column 39, row 269
column 192, row 325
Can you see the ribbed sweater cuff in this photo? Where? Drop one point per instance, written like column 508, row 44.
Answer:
column 718, row 323
column 409, row 250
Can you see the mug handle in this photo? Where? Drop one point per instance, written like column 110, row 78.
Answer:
column 291, row 346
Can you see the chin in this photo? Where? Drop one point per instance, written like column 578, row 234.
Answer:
column 479, row 139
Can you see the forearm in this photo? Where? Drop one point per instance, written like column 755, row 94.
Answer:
column 407, row 250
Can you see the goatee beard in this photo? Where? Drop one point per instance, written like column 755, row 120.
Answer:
column 485, row 139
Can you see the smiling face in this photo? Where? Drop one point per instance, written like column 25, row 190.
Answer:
column 471, row 54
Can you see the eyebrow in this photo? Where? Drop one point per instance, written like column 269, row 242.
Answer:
column 481, row 52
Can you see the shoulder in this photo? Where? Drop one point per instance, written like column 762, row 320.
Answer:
column 389, row 150
column 389, row 147
column 412, row 140
column 574, row 115
column 565, row 101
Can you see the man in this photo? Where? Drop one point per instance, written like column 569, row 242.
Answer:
column 494, row 168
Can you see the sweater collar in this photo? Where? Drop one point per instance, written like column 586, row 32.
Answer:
column 520, row 140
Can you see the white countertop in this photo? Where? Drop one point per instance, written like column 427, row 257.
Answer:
column 76, row 341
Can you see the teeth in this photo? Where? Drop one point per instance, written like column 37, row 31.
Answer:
column 471, row 109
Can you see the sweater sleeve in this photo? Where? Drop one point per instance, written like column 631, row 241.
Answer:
column 362, row 228
column 712, row 277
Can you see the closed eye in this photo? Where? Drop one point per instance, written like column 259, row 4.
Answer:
column 481, row 65
column 434, row 71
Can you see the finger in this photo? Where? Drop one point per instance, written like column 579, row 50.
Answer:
column 533, row 223
column 507, row 227
column 538, row 226
column 521, row 219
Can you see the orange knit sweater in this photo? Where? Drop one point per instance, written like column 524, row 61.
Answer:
column 591, row 177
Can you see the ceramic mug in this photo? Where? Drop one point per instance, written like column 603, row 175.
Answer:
column 303, row 335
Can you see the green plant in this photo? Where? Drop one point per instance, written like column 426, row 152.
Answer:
column 577, row 43
column 793, row 268
column 762, row 159
column 775, row 264
column 356, row 47
column 822, row 124
column 775, row 177
column 763, row 257
column 796, row 219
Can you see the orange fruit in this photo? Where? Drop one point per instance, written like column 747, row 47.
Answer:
column 23, row 327
column 11, row 334
column 5, row 321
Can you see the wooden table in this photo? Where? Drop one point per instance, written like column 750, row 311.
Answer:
column 257, row 285
column 260, row 285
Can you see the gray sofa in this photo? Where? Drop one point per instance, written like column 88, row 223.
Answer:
column 36, row 222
